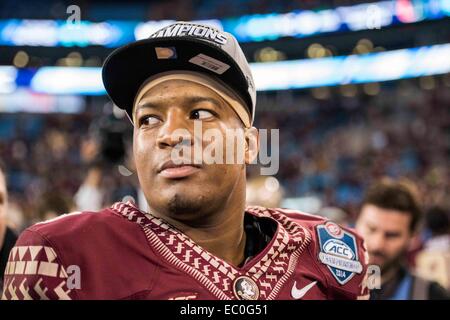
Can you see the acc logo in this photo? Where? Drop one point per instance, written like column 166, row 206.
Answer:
column 338, row 248
column 339, row 252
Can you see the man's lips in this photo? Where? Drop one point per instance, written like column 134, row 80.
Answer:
column 170, row 170
column 376, row 258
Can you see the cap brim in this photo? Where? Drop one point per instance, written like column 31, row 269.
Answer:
column 126, row 68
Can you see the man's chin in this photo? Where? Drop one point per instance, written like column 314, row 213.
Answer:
column 387, row 265
column 182, row 204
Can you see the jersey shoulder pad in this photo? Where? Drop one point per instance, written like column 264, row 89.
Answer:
column 339, row 252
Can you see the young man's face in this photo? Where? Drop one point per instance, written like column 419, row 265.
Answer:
column 386, row 234
column 183, row 191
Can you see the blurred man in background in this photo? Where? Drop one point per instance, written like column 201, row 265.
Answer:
column 388, row 220
column 7, row 236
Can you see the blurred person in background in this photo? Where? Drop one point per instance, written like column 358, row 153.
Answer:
column 437, row 222
column 433, row 261
column 53, row 205
column 7, row 236
column 264, row 191
column 389, row 218
column 90, row 194
column 336, row 215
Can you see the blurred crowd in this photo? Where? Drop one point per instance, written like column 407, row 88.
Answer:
column 49, row 157
column 332, row 146
column 160, row 10
column 202, row 9
column 339, row 144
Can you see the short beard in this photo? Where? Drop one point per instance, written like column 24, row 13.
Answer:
column 394, row 263
column 179, row 206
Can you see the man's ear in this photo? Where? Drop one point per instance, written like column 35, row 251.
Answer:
column 251, row 145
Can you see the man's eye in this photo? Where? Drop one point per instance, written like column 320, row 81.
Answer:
column 201, row 114
column 148, row 121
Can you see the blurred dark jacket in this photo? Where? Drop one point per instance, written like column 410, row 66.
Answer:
column 8, row 243
column 407, row 286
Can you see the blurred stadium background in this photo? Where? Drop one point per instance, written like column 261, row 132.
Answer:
column 359, row 89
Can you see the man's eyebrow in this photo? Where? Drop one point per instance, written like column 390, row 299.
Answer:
column 392, row 233
column 199, row 99
column 146, row 104
column 189, row 100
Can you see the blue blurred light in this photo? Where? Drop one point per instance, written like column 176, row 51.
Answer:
column 68, row 80
column 258, row 27
column 372, row 67
column 8, row 76
column 281, row 75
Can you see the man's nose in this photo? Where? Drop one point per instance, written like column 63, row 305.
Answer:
column 175, row 130
column 376, row 242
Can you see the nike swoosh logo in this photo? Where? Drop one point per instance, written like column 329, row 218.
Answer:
column 299, row 293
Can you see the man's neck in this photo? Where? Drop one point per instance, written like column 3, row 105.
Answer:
column 225, row 239
column 221, row 233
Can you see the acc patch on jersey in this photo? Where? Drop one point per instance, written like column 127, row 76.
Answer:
column 339, row 251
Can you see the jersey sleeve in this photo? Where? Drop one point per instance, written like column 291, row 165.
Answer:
column 35, row 272
column 342, row 258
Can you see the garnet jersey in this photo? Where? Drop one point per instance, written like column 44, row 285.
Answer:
column 124, row 253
